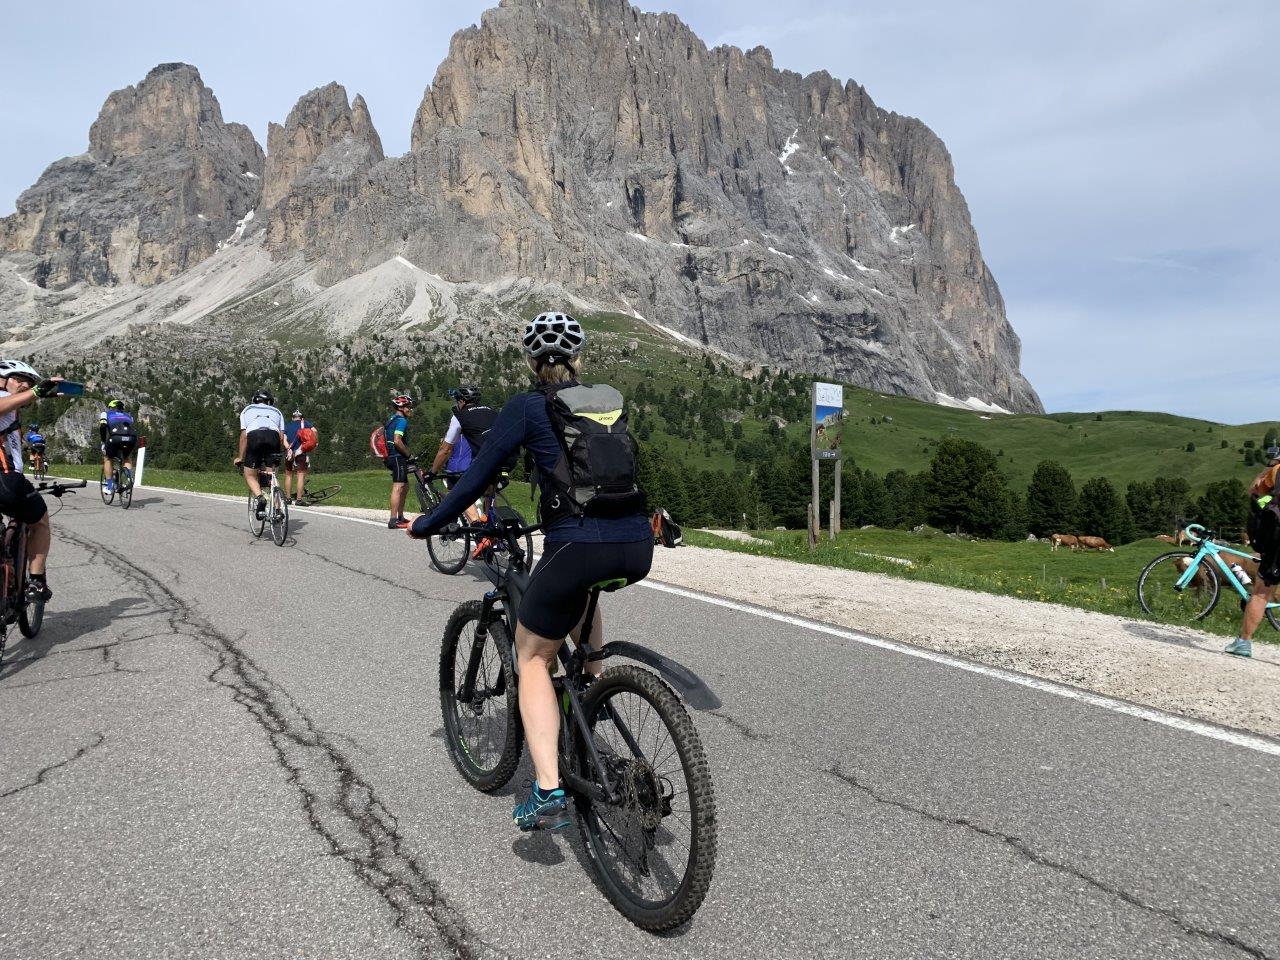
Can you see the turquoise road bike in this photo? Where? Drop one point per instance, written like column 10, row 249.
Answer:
column 1184, row 585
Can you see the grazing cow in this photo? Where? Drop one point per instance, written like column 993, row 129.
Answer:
column 1057, row 540
column 1165, row 538
column 1095, row 543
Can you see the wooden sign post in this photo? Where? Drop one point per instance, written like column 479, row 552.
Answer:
column 826, row 430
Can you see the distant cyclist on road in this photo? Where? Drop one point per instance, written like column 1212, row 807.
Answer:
column 302, row 439
column 119, row 437
column 36, row 447
column 1264, row 534
column 595, row 524
column 19, row 386
column 262, row 442
column 399, row 458
column 470, row 422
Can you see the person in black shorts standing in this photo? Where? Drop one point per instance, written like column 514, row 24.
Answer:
column 1264, row 534
column 262, row 442
column 399, row 458
column 19, row 386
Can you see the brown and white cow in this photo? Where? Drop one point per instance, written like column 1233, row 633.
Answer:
column 1165, row 538
column 1057, row 540
column 1094, row 543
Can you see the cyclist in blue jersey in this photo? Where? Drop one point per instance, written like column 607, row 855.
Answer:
column 36, row 446
column 399, row 459
column 581, row 549
column 119, row 438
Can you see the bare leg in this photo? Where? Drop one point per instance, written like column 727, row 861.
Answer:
column 1256, row 608
column 398, row 491
column 302, row 482
column 538, row 708
column 39, row 536
column 251, row 480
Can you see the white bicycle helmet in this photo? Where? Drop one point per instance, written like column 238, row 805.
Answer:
column 16, row 368
column 553, row 333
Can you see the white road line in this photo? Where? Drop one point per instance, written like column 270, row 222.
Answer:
column 1235, row 738
column 1199, row 728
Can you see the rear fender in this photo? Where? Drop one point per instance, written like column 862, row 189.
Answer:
column 688, row 684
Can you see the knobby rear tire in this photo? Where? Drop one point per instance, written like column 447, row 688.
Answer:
column 497, row 660
column 680, row 907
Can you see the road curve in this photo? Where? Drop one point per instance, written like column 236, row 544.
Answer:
column 218, row 747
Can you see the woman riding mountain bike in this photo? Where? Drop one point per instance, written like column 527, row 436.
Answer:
column 589, row 540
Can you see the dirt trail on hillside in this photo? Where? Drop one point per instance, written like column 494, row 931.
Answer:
column 1177, row 670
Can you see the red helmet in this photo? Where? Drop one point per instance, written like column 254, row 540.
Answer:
column 401, row 401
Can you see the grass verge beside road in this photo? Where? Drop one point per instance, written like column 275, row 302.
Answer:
column 1102, row 582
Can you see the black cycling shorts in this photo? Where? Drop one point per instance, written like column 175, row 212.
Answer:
column 18, row 499
column 262, row 448
column 558, row 587
column 399, row 467
column 37, row 448
column 1264, row 531
column 119, row 446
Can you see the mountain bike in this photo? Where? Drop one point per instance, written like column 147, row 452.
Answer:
column 277, row 509
column 1184, row 585
column 630, row 757
column 17, row 601
column 121, row 478
column 452, row 547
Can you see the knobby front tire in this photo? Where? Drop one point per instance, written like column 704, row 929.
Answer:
column 655, row 852
column 1158, row 597
column 484, row 736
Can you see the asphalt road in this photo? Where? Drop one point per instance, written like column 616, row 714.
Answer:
column 221, row 748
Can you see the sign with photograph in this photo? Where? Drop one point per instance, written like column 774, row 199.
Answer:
column 828, row 421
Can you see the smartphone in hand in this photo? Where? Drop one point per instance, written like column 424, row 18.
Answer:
column 69, row 388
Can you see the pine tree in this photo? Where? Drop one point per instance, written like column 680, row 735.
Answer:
column 1051, row 499
column 1104, row 513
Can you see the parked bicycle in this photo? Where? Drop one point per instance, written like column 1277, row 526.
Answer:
column 277, row 510
column 630, row 757
column 121, row 484
column 1184, row 585
column 18, row 603
column 311, row 497
column 452, row 547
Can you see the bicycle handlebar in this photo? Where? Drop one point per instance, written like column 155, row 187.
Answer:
column 56, row 489
column 1195, row 537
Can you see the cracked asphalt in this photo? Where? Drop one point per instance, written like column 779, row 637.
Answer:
column 218, row 748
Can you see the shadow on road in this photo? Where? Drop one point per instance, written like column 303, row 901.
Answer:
column 62, row 627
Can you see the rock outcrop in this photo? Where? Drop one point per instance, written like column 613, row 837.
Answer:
column 565, row 145
column 165, row 179
column 314, row 165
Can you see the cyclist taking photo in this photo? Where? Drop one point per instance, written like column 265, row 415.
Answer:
column 262, row 441
column 119, row 438
column 596, row 529
column 1264, row 533
column 19, row 386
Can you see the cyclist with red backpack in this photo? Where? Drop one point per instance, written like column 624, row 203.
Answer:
column 302, row 438
column 388, row 442
column 594, row 520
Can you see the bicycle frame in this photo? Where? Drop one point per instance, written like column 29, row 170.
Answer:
column 1210, row 550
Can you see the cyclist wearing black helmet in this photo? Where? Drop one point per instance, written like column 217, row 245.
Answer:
column 398, row 457
column 262, row 442
column 1264, row 534
column 119, row 438
column 470, row 423
column 596, row 527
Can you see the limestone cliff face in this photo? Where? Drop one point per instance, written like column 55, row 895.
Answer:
column 314, row 165
column 165, row 179
column 782, row 218
column 578, row 146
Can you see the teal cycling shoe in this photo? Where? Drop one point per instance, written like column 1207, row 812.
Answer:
column 544, row 810
column 1240, row 647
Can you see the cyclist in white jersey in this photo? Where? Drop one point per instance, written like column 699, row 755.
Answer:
column 262, row 442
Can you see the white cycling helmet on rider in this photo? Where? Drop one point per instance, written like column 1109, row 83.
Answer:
column 556, row 334
column 16, row 368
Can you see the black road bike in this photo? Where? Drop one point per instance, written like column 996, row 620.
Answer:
column 311, row 497
column 630, row 757
column 19, row 603
column 121, row 478
column 452, row 547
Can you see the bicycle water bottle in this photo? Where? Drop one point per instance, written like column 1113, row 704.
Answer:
column 1241, row 575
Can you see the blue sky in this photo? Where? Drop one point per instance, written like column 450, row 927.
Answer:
column 1119, row 158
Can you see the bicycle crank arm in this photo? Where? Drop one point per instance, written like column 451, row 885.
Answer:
column 690, row 686
column 581, row 785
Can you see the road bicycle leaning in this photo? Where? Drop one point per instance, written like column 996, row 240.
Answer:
column 1184, row 585
column 630, row 757
column 18, row 602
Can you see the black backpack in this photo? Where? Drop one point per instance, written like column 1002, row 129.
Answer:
column 476, row 422
column 595, row 475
